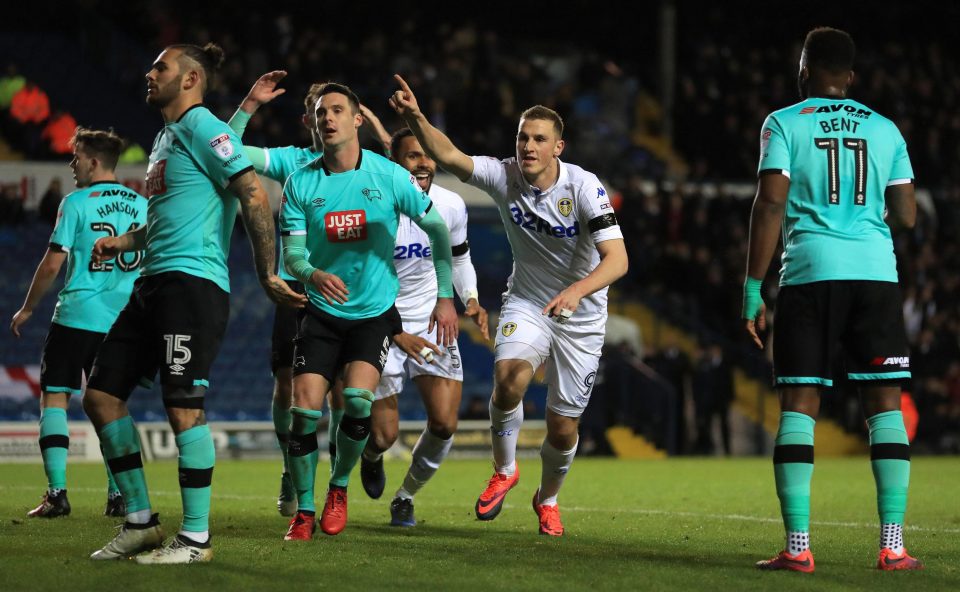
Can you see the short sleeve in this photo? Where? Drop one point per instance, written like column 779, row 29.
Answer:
column 68, row 223
column 490, row 175
column 902, row 170
column 281, row 163
column 774, row 152
column 595, row 212
column 458, row 224
column 411, row 200
column 218, row 151
column 292, row 218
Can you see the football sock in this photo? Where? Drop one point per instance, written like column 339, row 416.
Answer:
column 121, row 448
column 428, row 453
column 353, row 433
column 112, row 488
column 304, row 454
column 54, row 443
column 196, row 461
column 335, row 416
column 504, row 432
column 890, row 460
column 793, row 470
column 281, row 425
column 555, row 465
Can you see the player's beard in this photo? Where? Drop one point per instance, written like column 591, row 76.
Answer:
column 165, row 94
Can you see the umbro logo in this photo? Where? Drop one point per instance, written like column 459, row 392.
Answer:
column 177, row 369
column 319, row 201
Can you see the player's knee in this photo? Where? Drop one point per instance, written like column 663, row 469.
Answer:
column 184, row 406
column 442, row 428
column 357, row 403
column 102, row 408
column 355, row 428
column 383, row 437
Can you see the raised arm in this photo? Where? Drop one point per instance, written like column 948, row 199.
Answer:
column 444, row 314
column 376, row 128
column 258, row 220
column 46, row 272
column 434, row 142
column 263, row 91
column 765, row 220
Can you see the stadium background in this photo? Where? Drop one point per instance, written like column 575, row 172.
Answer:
column 665, row 106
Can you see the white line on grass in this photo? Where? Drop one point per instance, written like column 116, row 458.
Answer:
column 649, row 512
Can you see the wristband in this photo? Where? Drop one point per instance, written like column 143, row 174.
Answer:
column 752, row 300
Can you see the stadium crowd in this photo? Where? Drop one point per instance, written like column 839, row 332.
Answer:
column 686, row 241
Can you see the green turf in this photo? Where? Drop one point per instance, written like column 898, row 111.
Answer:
column 631, row 525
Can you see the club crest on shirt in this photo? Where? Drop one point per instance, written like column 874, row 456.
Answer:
column 565, row 205
column 508, row 329
column 222, row 146
column 371, row 193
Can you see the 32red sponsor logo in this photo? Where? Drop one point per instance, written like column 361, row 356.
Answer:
column 346, row 226
column 156, row 178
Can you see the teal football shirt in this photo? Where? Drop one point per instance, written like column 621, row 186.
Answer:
column 840, row 157
column 191, row 214
column 350, row 220
column 280, row 163
column 94, row 293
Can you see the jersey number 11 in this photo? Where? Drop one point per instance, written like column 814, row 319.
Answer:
column 859, row 148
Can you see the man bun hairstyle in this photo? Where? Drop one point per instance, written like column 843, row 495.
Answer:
column 210, row 58
column 104, row 145
column 541, row 112
column 829, row 49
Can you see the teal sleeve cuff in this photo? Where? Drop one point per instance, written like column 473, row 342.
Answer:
column 295, row 257
column 432, row 223
column 238, row 122
column 751, row 298
column 258, row 158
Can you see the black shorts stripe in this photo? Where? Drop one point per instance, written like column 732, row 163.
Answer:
column 792, row 453
column 283, row 438
column 461, row 249
column 182, row 400
column 55, row 441
column 196, row 478
column 302, row 444
column 890, row 452
column 125, row 463
column 601, row 222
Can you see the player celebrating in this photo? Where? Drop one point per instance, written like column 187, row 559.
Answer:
column 545, row 205
column 278, row 164
column 829, row 166
column 89, row 302
column 178, row 312
column 344, row 208
column 440, row 382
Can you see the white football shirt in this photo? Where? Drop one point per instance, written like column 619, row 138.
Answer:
column 553, row 232
column 413, row 258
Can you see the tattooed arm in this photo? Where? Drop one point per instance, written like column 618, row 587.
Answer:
column 258, row 220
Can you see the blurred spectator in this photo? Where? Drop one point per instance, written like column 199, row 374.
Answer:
column 673, row 365
column 476, row 409
column 59, row 132
column 50, row 202
column 11, row 206
column 134, row 154
column 712, row 396
column 30, row 105
column 10, row 84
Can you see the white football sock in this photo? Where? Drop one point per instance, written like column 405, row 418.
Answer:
column 797, row 542
column 555, row 464
column 504, row 431
column 891, row 537
column 428, row 453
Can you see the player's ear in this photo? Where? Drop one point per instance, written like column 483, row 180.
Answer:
column 357, row 120
column 558, row 147
column 851, row 76
column 191, row 79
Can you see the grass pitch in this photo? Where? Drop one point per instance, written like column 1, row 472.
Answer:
column 680, row 524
